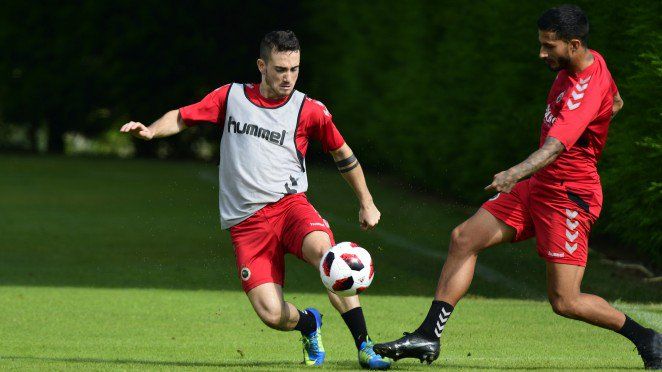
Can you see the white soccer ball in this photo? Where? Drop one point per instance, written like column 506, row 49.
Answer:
column 347, row 269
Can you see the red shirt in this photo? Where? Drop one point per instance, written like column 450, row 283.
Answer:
column 578, row 114
column 315, row 120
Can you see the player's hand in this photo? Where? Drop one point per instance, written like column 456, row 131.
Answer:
column 369, row 216
column 617, row 106
column 503, row 182
column 137, row 130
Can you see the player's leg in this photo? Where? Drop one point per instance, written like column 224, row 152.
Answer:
column 467, row 240
column 503, row 218
column 314, row 245
column 479, row 232
column 563, row 218
column 261, row 268
column 567, row 300
column 269, row 304
column 563, row 291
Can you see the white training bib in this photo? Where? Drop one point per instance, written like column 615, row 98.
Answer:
column 259, row 160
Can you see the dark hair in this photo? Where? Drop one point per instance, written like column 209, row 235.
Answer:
column 567, row 21
column 279, row 41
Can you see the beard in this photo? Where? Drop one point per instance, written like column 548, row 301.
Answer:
column 274, row 86
column 562, row 64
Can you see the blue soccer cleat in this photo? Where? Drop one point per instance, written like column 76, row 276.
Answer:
column 313, row 349
column 369, row 360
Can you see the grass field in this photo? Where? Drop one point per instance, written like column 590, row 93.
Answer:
column 121, row 264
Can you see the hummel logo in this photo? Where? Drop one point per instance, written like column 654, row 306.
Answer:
column 572, row 105
column 571, row 225
column 570, row 248
column 256, row 131
column 554, row 254
column 441, row 323
column 570, row 236
column 581, row 87
column 577, row 96
column 570, row 214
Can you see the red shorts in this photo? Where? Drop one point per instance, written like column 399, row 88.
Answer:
column 261, row 241
column 559, row 215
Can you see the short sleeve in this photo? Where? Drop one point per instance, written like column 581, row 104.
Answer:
column 320, row 125
column 210, row 109
column 581, row 107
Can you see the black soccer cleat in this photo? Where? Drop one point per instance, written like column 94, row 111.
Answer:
column 411, row 345
column 650, row 352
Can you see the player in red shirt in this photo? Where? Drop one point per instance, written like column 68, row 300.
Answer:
column 557, row 205
column 262, row 179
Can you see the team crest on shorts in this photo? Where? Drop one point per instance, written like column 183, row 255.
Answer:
column 245, row 273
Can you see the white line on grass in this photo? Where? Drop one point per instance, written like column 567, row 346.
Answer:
column 482, row 271
column 485, row 273
column 648, row 317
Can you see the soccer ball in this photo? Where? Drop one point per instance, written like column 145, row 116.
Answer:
column 346, row 269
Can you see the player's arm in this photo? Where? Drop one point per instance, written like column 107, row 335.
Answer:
column 506, row 180
column 618, row 104
column 169, row 124
column 351, row 170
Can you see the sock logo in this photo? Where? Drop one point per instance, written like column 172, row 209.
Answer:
column 441, row 323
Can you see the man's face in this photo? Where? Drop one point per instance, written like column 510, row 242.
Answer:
column 555, row 52
column 280, row 73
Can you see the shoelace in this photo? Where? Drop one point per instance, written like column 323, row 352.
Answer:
column 371, row 353
column 310, row 342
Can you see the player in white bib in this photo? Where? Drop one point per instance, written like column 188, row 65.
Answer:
column 262, row 177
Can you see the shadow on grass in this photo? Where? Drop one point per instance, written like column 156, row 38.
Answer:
column 284, row 364
column 88, row 222
column 146, row 362
column 345, row 365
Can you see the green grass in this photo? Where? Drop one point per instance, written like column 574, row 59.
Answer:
column 121, row 264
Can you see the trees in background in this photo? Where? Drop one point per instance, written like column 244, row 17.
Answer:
column 446, row 95
column 442, row 94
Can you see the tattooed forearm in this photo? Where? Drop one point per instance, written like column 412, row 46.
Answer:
column 506, row 180
column 539, row 159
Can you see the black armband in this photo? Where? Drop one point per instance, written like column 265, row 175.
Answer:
column 346, row 162
column 345, row 170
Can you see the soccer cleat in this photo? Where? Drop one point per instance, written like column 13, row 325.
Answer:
column 369, row 360
column 651, row 352
column 313, row 350
column 411, row 345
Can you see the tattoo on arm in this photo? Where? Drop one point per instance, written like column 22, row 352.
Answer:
column 549, row 151
column 345, row 170
column 346, row 165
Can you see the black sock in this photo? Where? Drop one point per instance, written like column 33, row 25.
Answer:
column 306, row 324
column 356, row 324
column 436, row 320
column 635, row 332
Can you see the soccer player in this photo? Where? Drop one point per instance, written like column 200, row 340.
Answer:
column 262, row 182
column 558, row 204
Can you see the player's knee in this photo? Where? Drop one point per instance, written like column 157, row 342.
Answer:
column 315, row 245
column 564, row 306
column 460, row 241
